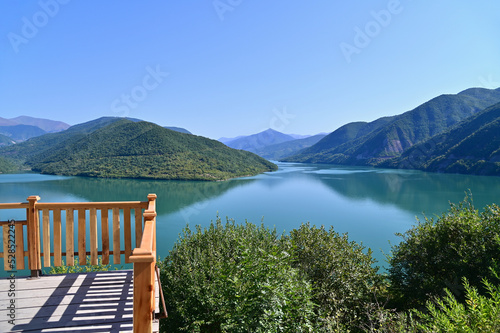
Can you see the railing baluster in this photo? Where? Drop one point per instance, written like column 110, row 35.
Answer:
column 82, row 246
column 127, row 230
column 93, row 236
column 116, row 236
column 57, row 238
column 70, row 237
column 19, row 246
column 34, row 261
column 105, row 236
column 138, row 226
column 46, row 237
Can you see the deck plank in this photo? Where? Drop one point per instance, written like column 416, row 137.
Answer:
column 91, row 302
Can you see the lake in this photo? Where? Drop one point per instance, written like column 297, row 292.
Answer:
column 369, row 204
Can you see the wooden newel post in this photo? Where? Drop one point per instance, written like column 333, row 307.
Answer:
column 34, row 260
column 144, row 259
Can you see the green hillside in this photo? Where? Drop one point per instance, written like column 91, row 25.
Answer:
column 127, row 149
column 7, row 165
column 403, row 131
column 53, row 141
column 5, row 140
column 472, row 146
column 342, row 135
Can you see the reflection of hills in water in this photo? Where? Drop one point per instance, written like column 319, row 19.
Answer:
column 413, row 191
column 172, row 195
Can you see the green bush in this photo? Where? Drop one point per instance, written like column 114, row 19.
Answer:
column 244, row 278
column 234, row 278
column 343, row 277
column 437, row 255
column 100, row 267
column 479, row 314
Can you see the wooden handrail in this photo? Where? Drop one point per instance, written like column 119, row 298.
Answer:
column 45, row 246
column 39, row 234
column 144, row 259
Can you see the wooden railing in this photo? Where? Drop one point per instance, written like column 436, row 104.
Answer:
column 144, row 259
column 72, row 219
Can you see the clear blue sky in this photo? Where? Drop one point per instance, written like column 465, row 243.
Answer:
column 236, row 67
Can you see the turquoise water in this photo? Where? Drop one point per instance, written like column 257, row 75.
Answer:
column 371, row 205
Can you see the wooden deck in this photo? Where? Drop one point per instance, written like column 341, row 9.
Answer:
column 92, row 302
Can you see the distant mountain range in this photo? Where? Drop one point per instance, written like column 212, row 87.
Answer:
column 46, row 125
column 272, row 144
column 456, row 133
column 281, row 150
column 387, row 139
column 22, row 128
column 122, row 148
column 259, row 140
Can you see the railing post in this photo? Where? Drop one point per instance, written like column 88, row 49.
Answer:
column 144, row 259
column 34, row 260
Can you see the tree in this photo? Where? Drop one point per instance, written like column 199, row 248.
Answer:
column 437, row 255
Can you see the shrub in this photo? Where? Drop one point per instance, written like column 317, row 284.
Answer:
column 437, row 255
column 479, row 314
column 343, row 277
column 234, row 278
column 100, row 267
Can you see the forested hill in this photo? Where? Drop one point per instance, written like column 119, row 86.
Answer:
column 372, row 143
column 121, row 148
column 473, row 146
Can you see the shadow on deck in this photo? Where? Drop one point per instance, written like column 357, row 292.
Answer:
column 92, row 302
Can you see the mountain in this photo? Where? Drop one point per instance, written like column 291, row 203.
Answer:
column 5, row 140
column 227, row 140
column 472, row 146
column 259, row 140
column 24, row 127
column 288, row 148
column 120, row 148
column 372, row 143
column 46, row 143
column 47, row 125
column 21, row 132
column 178, row 129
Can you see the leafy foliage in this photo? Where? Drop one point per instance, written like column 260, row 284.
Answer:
column 479, row 314
column 100, row 267
column 6, row 165
column 244, row 278
column 231, row 278
column 343, row 277
column 437, row 255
